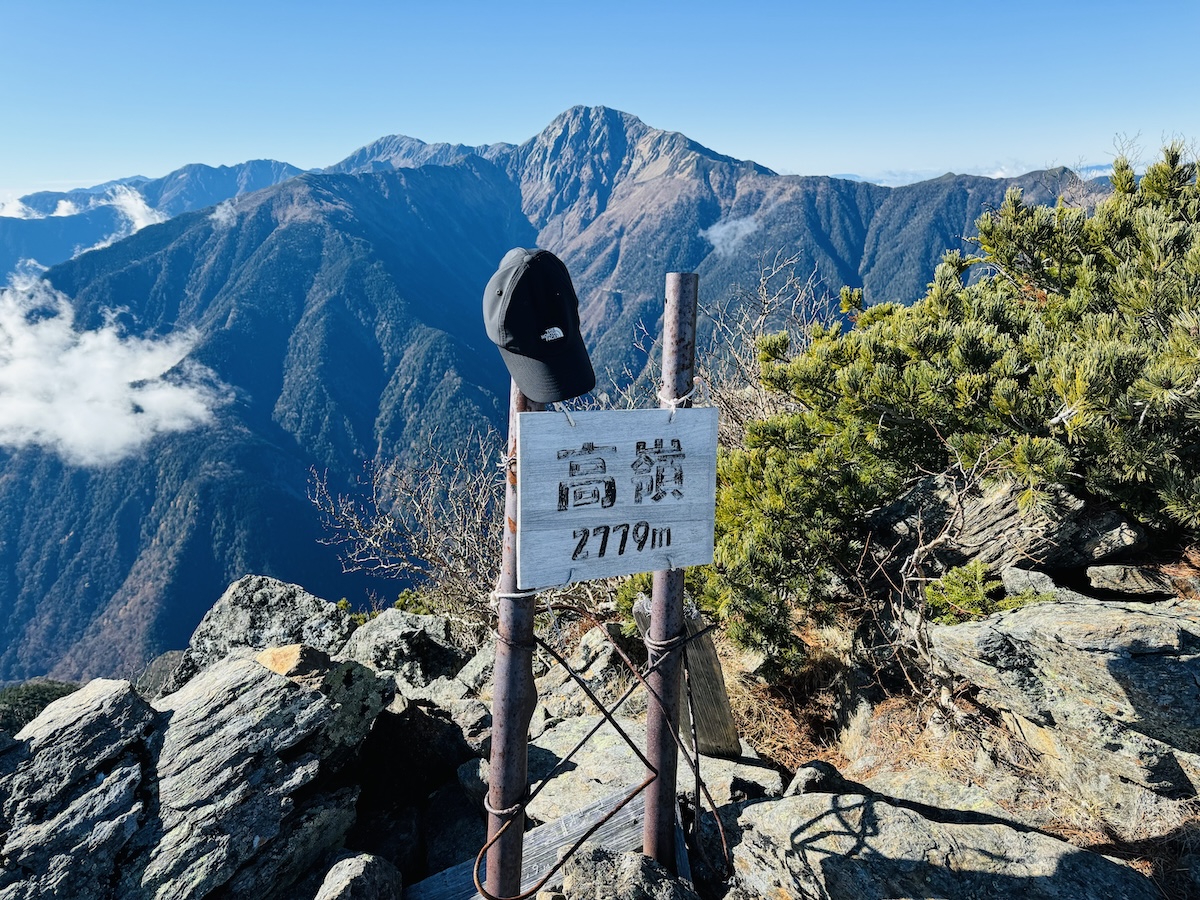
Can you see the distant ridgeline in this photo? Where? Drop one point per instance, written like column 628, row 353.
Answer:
column 328, row 318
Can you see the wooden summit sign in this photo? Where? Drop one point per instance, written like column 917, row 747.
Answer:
column 615, row 493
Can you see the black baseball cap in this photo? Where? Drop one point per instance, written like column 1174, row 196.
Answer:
column 532, row 314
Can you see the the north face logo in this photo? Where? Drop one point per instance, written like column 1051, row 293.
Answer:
column 554, row 333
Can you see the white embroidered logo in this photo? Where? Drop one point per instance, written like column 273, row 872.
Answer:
column 554, row 333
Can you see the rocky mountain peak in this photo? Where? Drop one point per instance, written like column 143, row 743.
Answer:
column 398, row 151
column 570, row 169
column 340, row 313
column 569, row 172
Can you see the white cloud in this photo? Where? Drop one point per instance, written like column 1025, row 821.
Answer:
column 15, row 209
column 899, row 177
column 726, row 235
column 93, row 397
column 224, row 215
column 65, row 208
column 1004, row 170
column 133, row 209
column 1009, row 169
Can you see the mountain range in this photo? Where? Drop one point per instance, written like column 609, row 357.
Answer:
column 323, row 319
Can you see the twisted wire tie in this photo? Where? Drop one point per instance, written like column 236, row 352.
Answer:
column 495, row 597
column 698, row 384
column 506, row 813
column 516, row 645
column 660, row 649
column 512, row 595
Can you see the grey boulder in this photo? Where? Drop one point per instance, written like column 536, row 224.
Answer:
column 233, row 784
column 259, row 612
column 418, row 649
column 989, row 525
column 597, row 873
column 1103, row 692
column 606, row 764
column 361, row 876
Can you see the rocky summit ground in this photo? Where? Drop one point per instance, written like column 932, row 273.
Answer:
column 290, row 753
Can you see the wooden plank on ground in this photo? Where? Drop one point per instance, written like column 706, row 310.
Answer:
column 716, row 732
column 542, row 847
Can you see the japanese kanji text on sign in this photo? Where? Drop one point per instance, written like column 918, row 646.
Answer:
column 617, row 492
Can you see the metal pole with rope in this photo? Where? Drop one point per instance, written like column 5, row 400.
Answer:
column 514, row 695
column 664, row 641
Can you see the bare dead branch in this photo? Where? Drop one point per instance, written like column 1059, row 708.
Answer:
column 782, row 300
column 434, row 524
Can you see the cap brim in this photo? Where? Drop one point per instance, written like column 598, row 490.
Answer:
column 566, row 374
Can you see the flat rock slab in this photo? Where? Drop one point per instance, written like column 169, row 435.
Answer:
column 606, row 763
column 991, row 526
column 1133, row 662
column 1142, row 580
column 856, row 847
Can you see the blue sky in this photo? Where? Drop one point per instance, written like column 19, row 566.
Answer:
column 91, row 91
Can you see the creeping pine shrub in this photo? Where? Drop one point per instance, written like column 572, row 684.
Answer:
column 1066, row 352
column 408, row 600
column 962, row 594
column 966, row 593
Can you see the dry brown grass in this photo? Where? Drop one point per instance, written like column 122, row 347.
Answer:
column 1183, row 569
column 769, row 725
column 1162, row 858
column 792, row 722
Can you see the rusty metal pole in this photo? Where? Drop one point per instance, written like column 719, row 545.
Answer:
column 666, row 603
column 514, row 694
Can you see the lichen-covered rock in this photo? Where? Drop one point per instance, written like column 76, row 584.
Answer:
column 605, row 764
column 361, row 876
column 476, row 675
column 859, row 847
column 232, row 784
column 1140, row 580
column 259, row 612
column 595, row 660
column 156, row 677
column 990, row 526
column 596, row 873
column 474, row 719
column 1103, row 692
column 72, row 791
column 815, row 776
column 418, row 649
column 928, row 787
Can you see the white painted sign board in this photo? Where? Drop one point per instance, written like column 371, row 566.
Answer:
column 618, row 492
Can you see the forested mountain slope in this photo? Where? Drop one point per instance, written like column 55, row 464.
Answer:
column 335, row 318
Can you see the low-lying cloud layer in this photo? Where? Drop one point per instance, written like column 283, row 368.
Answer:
column 15, row 209
column 224, row 215
column 93, row 397
column 135, row 212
